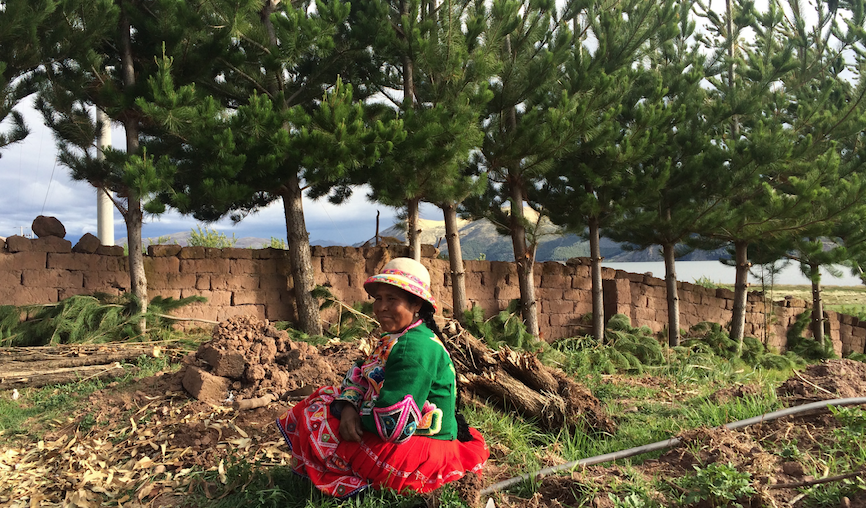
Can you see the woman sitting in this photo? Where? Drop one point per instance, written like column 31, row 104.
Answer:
column 393, row 421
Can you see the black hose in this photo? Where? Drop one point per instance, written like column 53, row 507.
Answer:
column 668, row 443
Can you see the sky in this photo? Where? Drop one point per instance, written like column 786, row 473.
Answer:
column 34, row 183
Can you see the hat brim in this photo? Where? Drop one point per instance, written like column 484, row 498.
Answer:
column 404, row 283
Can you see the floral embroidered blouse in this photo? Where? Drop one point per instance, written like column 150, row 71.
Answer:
column 405, row 387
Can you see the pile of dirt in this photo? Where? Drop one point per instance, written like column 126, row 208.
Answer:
column 248, row 358
column 833, row 379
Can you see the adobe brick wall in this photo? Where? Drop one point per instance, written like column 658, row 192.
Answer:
column 257, row 282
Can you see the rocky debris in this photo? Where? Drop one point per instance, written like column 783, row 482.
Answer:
column 832, row 379
column 48, row 226
column 87, row 244
column 249, row 358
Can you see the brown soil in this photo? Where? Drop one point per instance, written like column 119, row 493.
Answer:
column 833, row 379
column 138, row 446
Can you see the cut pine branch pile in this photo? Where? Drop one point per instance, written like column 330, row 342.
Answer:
column 46, row 365
column 519, row 381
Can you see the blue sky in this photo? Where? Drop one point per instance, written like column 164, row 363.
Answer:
column 33, row 184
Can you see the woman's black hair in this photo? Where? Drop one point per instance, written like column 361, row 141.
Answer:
column 426, row 314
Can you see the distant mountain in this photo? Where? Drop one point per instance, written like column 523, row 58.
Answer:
column 479, row 240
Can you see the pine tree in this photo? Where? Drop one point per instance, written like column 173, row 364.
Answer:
column 262, row 127
column 34, row 33
column 625, row 118
column 525, row 124
column 435, row 58
column 671, row 213
column 775, row 123
column 113, row 47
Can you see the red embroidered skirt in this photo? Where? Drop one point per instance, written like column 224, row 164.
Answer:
column 344, row 468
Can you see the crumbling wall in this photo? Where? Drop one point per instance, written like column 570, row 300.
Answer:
column 257, row 282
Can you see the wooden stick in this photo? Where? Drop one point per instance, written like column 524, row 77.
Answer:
column 819, row 481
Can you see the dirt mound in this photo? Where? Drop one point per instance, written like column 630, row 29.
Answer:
column 736, row 392
column 833, row 379
column 248, row 358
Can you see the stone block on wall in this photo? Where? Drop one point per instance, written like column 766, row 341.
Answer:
column 10, row 278
column 557, row 307
column 236, row 253
column 509, row 292
column 727, row 294
column 162, row 264
column 202, row 282
column 72, row 261
column 52, row 278
column 106, row 282
column 174, row 281
column 23, row 261
column 196, row 252
column 214, row 298
column 344, row 264
column 257, row 311
column 207, row 265
column 64, row 293
column 110, row 250
column 163, row 250
column 232, row 282
column 18, row 295
column 112, row 264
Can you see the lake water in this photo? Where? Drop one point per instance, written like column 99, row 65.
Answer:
column 690, row 271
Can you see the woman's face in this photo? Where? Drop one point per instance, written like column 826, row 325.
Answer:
column 394, row 308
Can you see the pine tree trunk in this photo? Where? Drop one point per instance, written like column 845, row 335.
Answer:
column 133, row 216
column 298, row 241
column 297, row 237
column 738, row 319
column 455, row 260
column 673, row 296
column 412, row 229
column 597, row 291
column 817, row 305
column 524, row 258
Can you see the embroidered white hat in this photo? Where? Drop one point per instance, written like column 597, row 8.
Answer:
column 408, row 275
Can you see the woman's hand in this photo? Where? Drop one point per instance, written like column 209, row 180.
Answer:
column 350, row 424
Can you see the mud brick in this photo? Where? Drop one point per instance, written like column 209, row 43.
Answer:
column 230, row 282
column 202, row 282
column 218, row 298
column 209, row 265
column 110, row 250
column 18, row 295
column 179, row 280
column 236, row 253
column 582, row 308
column 563, row 320
column 72, row 261
column 342, row 265
column 161, row 264
column 64, row 293
column 213, row 253
column 165, row 293
column 223, row 363
column 23, row 261
column 105, row 281
column 17, row 243
column 257, row 311
column 112, row 264
column 557, row 307
column 270, row 253
column 163, row 250
column 317, row 251
column 552, row 294
column 283, row 312
column 52, row 278
column 506, row 292
column 196, row 252
column 727, row 294
column 254, row 297
column 10, row 278
column 2, row 245
column 205, row 386
column 50, row 244
column 581, row 282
